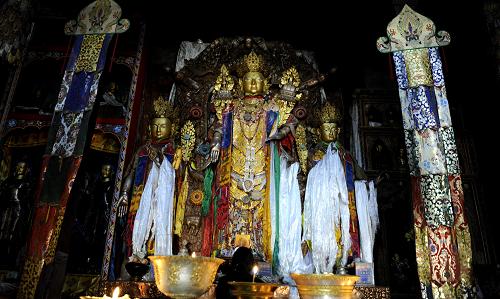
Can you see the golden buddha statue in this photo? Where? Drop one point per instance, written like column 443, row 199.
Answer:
column 247, row 130
column 329, row 158
column 152, row 161
column 329, row 130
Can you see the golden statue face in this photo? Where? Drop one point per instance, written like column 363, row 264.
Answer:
column 106, row 171
column 21, row 169
column 160, row 128
column 329, row 132
column 253, row 83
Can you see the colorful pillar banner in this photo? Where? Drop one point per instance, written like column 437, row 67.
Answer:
column 67, row 136
column 442, row 239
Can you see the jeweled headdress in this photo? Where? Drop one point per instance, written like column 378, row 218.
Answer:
column 162, row 108
column 251, row 63
column 330, row 114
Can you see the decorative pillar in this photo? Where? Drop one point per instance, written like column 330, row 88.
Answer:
column 93, row 31
column 442, row 238
column 134, row 102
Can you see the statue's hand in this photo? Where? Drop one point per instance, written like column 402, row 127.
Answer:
column 280, row 134
column 214, row 153
column 277, row 136
column 122, row 205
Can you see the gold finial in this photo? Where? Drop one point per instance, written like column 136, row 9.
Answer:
column 162, row 108
column 290, row 77
column 290, row 81
column 253, row 62
column 224, row 81
column 188, row 139
column 330, row 114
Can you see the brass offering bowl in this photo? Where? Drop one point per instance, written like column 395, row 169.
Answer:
column 315, row 286
column 184, row 276
column 247, row 290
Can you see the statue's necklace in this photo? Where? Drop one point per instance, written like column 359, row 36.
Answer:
column 253, row 127
column 249, row 122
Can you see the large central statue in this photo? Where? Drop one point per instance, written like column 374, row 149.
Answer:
column 246, row 97
column 242, row 136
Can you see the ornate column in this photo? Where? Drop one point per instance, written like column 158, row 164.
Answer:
column 93, row 31
column 134, row 103
column 442, row 238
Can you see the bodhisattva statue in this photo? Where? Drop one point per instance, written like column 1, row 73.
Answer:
column 15, row 211
column 330, row 199
column 151, row 177
column 249, row 124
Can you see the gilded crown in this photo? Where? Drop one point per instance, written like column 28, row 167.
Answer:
column 253, row 62
column 330, row 114
column 162, row 108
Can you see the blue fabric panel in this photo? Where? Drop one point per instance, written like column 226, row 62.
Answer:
column 400, row 68
column 349, row 173
column 79, row 91
column 141, row 170
column 436, row 66
column 270, row 119
column 104, row 50
column 74, row 52
column 227, row 129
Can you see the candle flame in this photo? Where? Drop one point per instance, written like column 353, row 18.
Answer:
column 116, row 292
column 193, row 254
column 255, row 269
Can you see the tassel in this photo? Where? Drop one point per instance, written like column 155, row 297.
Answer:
column 215, row 244
column 207, row 233
column 207, row 188
column 277, row 175
column 222, row 208
column 266, row 223
column 181, row 206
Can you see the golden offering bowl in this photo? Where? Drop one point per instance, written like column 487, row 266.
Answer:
column 184, row 276
column 247, row 290
column 313, row 286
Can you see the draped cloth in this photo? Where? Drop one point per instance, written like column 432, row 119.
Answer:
column 272, row 197
column 366, row 206
column 290, row 254
column 154, row 217
column 326, row 210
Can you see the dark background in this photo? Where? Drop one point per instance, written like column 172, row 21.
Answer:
column 342, row 34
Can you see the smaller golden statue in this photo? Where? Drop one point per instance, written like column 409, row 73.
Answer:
column 156, row 154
